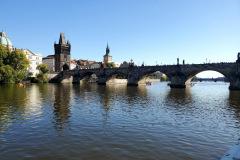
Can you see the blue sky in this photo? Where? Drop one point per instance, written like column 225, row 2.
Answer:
column 153, row 31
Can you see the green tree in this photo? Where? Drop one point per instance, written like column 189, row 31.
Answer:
column 111, row 65
column 7, row 74
column 194, row 79
column 42, row 76
column 43, row 68
column 19, row 62
column 13, row 65
column 120, row 76
column 4, row 52
column 164, row 78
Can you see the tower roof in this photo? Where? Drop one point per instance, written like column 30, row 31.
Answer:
column 62, row 39
column 107, row 51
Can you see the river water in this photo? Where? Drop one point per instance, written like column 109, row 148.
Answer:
column 71, row 121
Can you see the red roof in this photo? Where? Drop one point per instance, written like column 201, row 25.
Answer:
column 49, row 57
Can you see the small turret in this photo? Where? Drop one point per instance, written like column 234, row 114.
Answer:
column 238, row 56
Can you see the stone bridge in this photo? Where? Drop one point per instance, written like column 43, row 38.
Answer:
column 179, row 75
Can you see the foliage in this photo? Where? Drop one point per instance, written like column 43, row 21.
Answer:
column 13, row 65
column 7, row 74
column 42, row 77
column 111, row 65
column 194, row 79
column 164, row 78
column 121, row 76
column 43, row 68
column 4, row 52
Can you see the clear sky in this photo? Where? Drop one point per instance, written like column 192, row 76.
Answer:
column 153, row 31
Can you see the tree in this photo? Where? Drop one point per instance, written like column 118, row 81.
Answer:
column 43, row 68
column 7, row 74
column 4, row 52
column 194, row 79
column 18, row 60
column 111, row 65
column 42, row 77
column 13, row 65
column 164, row 78
column 120, row 76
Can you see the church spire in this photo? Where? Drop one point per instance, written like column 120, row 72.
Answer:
column 62, row 38
column 107, row 51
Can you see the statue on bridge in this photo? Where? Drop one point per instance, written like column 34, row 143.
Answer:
column 183, row 62
column 177, row 61
column 238, row 60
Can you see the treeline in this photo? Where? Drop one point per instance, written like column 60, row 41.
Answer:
column 14, row 65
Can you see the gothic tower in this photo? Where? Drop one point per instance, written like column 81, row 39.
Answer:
column 107, row 57
column 62, row 54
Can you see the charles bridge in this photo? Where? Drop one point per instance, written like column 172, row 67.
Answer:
column 179, row 75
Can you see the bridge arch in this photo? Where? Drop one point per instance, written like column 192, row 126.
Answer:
column 145, row 74
column 117, row 77
column 85, row 77
column 194, row 73
column 65, row 67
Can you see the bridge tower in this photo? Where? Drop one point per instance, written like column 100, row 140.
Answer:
column 107, row 57
column 62, row 54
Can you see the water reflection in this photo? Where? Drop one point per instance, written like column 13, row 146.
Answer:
column 178, row 97
column 61, row 110
column 12, row 104
column 234, row 102
column 101, row 122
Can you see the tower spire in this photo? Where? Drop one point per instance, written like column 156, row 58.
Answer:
column 107, row 50
column 62, row 38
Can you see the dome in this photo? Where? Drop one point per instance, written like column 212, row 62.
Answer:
column 4, row 40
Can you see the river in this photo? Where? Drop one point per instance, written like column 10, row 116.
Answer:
column 71, row 121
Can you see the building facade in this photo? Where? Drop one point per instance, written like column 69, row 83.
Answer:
column 50, row 62
column 6, row 41
column 73, row 65
column 117, row 64
column 96, row 65
column 35, row 59
column 62, row 54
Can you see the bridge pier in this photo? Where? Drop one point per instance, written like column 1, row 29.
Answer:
column 178, row 81
column 234, row 87
column 76, row 79
column 177, row 86
column 132, row 80
column 102, row 80
column 132, row 84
